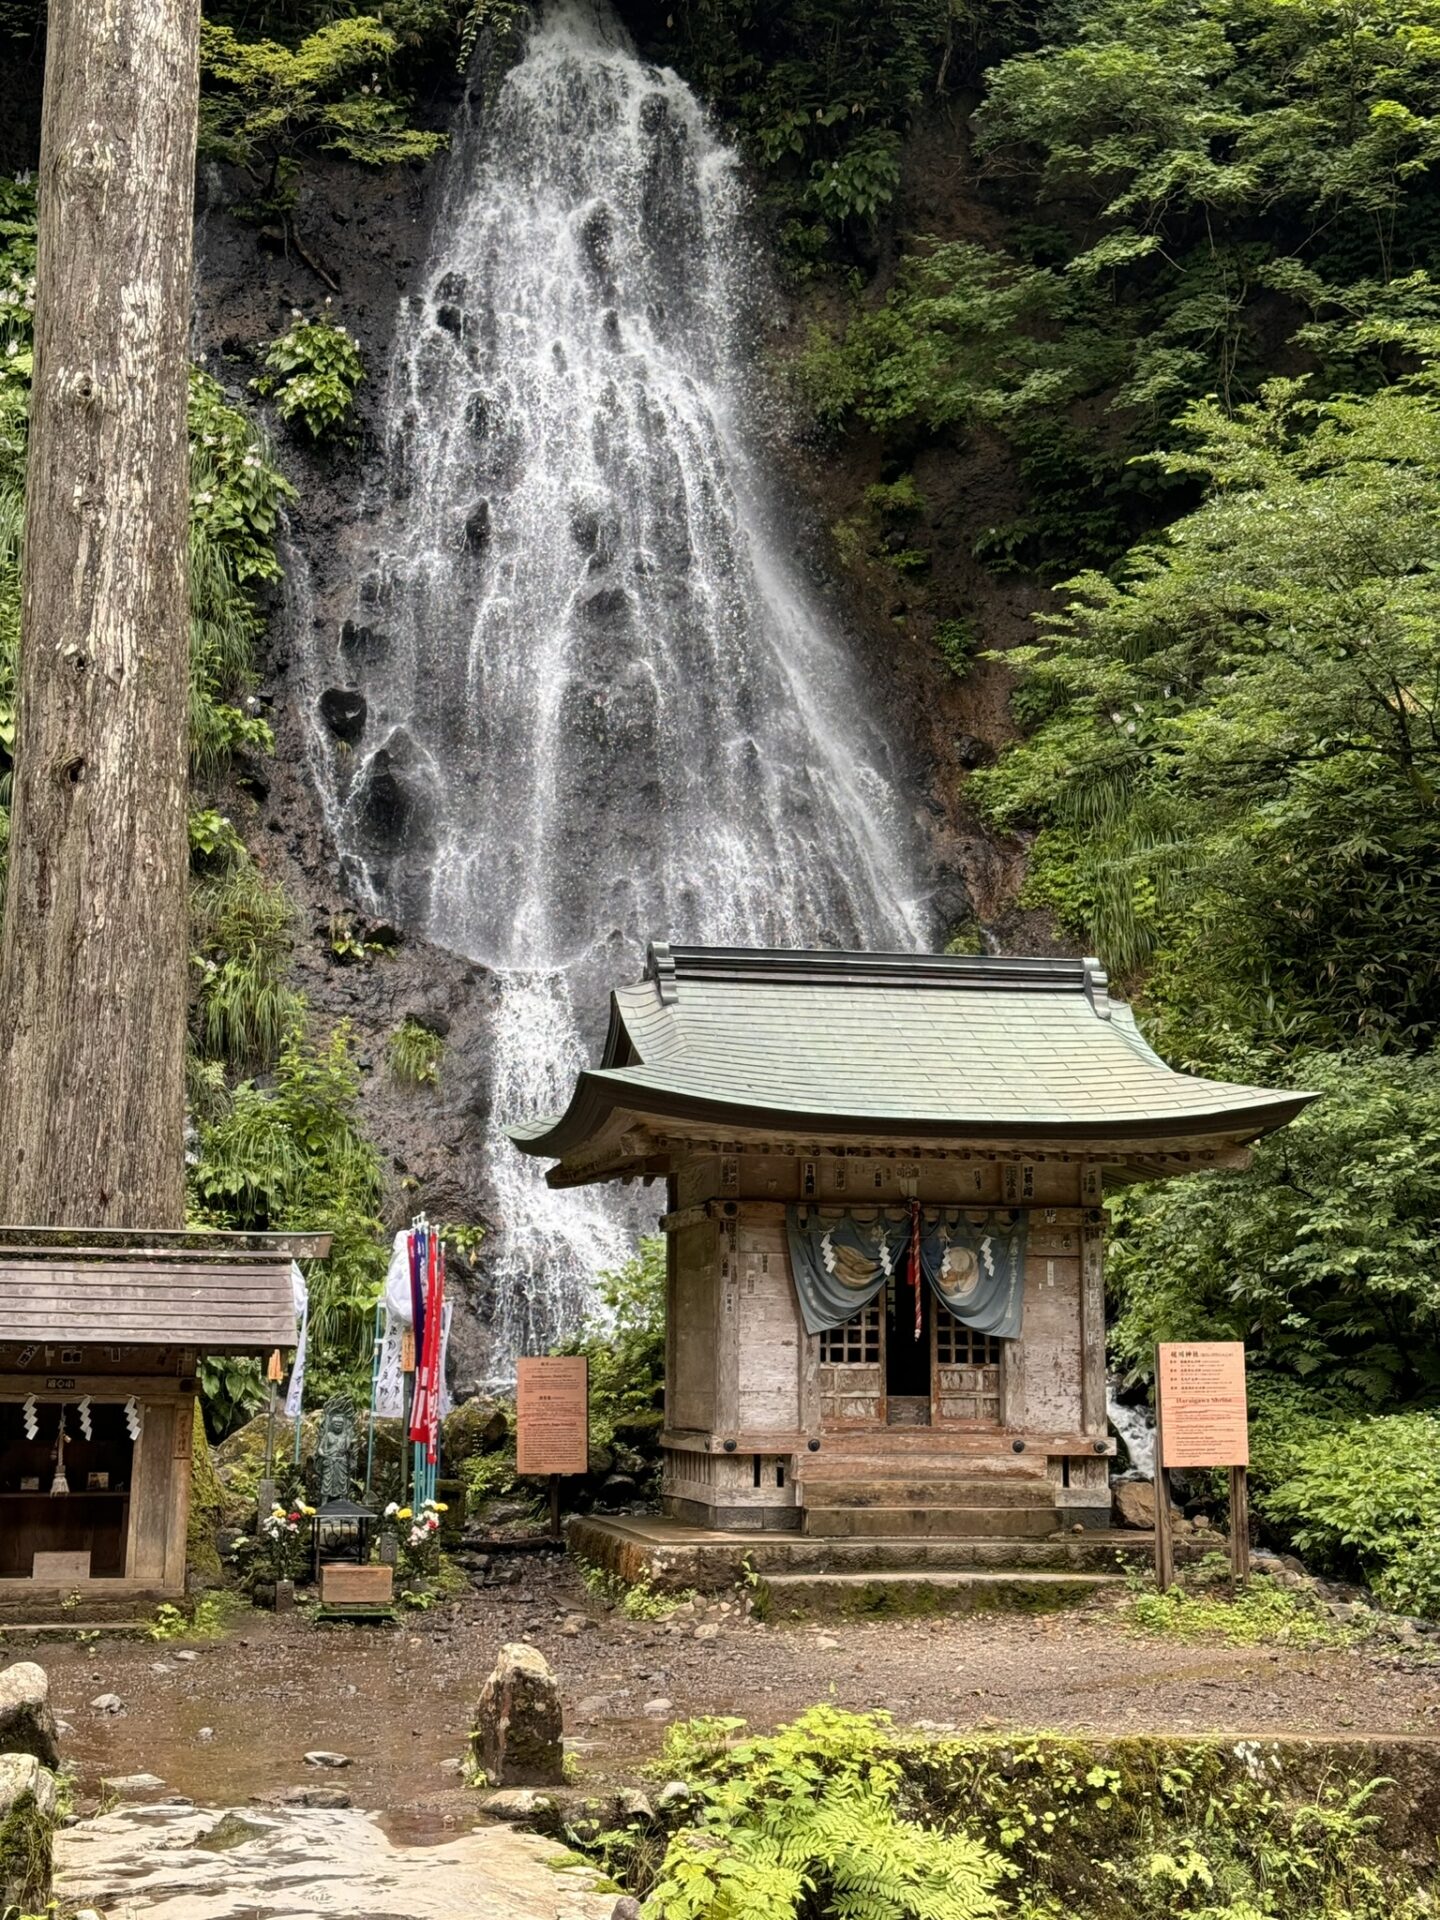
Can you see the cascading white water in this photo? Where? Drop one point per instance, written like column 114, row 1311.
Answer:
column 600, row 703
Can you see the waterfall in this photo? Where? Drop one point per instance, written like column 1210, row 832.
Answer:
column 600, row 700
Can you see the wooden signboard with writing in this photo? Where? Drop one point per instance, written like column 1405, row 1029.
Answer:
column 1201, row 1421
column 552, row 1416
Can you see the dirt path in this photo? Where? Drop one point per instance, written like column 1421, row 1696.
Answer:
column 232, row 1725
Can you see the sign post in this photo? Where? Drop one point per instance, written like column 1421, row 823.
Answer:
column 1201, row 1421
column 552, row 1422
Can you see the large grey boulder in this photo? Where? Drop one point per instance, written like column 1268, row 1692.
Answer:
column 518, row 1721
column 27, row 1724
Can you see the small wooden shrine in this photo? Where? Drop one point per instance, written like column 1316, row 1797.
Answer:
column 885, row 1290
column 101, row 1337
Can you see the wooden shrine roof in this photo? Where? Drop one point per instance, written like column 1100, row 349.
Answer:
column 217, row 1293
column 914, row 1046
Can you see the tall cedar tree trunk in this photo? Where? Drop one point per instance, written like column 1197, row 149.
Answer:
column 93, row 956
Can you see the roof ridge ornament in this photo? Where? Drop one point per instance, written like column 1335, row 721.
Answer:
column 1097, row 987
column 660, row 967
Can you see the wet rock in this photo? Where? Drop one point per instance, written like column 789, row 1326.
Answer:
column 516, row 1803
column 108, row 1703
column 606, row 604
column 315, row 1797
column 518, row 1722
column 27, row 1724
column 476, row 536
column 451, row 318
column 971, row 752
column 343, row 710
column 322, row 1757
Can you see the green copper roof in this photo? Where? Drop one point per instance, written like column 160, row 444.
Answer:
column 914, row 1045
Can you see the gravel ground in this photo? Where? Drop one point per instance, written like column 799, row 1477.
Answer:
column 234, row 1722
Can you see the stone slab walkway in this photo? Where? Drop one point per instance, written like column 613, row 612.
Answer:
column 193, row 1863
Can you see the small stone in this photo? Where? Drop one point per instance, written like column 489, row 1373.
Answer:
column 62, row 1727
column 452, row 1766
column 826, row 1641
column 657, row 1709
column 190, row 1654
column 627, row 1907
column 161, row 1666
column 205, row 1733
column 595, row 1706
column 710, row 1631
column 632, row 1804
column 320, row 1757
column 674, row 1793
column 516, row 1803
column 315, row 1797
column 108, row 1703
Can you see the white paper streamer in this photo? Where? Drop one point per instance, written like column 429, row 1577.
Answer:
column 300, row 1296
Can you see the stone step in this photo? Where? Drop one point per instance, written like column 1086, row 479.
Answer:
column 926, row 1489
column 967, row 1521
column 922, row 1590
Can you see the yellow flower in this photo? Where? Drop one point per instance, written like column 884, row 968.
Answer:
column 438, row 1506
column 404, row 1514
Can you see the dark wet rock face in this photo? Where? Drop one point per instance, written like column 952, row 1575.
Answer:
column 343, row 710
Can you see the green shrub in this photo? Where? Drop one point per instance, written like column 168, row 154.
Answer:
column 624, row 1343
column 414, row 1053
column 242, row 929
column 312, row 372
column 1363, row 1495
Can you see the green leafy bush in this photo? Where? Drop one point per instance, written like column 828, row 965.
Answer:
column 415, row 1052
column 624, row 1343
column 822, row 93
column 312, row 372
column 265, row 104
column 1324, row 1255
column 291, row 1156
column 242, row 930
column 1363, row 1495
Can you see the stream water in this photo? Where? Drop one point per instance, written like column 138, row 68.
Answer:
column 602, row 702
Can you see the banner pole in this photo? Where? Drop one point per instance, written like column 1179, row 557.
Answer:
column 1164, row 1538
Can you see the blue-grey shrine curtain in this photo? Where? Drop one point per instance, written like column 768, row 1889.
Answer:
column 975, row 1263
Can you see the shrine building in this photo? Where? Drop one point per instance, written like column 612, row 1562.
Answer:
column 885, row 1292
column 101, row 1338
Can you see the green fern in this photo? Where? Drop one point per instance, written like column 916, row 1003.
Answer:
column 808, row 1820
column 241, row 925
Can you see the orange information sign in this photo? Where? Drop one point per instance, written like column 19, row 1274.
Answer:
column 552, row 1416
column 1202, row 1404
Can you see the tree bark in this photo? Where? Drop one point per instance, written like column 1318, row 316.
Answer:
column 94, row 950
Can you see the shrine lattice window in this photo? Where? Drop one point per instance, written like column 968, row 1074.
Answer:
column 957, row 1346
column 855, row 1343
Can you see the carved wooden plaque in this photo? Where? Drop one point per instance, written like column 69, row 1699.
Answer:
column 552, row 1415
column 1202, row 1403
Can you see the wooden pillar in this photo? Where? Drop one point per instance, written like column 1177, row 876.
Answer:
column 1094, row 1418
